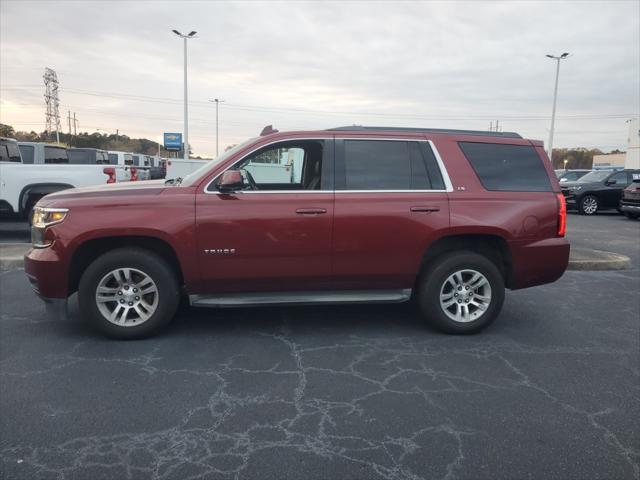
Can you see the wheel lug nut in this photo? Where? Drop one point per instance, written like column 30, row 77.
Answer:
column 130, row 304
column 466, row 288
column 126, row 287
column 119, row 292
column 466, row 301
column 137, row 298
column 459, row 301
column 121, row 300
column 135, row 290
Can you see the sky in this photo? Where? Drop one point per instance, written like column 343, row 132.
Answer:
column 313, row 65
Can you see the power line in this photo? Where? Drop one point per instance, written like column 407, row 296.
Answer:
column 271, row 109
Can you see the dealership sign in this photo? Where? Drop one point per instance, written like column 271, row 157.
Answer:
column 173, row 141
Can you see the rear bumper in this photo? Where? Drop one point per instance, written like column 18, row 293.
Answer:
column 47, row 273
column 539, row 262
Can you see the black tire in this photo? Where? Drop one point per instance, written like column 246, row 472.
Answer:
column 584, row 205
column 631, row 216
column 154, row 267
column 433, row 278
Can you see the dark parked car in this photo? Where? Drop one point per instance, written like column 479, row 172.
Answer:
column 446, row 218
column 572, row 175
column 630, row 202
column 597, row 190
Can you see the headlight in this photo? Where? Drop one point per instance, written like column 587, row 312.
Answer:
column 43, row 218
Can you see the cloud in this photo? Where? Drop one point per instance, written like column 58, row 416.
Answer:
column 320, row 64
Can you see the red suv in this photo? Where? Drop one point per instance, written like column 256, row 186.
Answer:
column 448, row 218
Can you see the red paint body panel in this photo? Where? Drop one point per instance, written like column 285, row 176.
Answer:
column 379, row 242
column 361, row 240
column 276, row 248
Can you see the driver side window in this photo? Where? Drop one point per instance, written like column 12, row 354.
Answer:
column 620, row 178
column 284, row 166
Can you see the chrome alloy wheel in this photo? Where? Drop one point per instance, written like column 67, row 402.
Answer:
column 465, row 295
column 590, row 205
column 127, row 297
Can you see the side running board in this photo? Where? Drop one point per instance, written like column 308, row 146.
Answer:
column 299, row 298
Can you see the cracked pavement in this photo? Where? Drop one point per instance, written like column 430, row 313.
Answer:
column 551, row 390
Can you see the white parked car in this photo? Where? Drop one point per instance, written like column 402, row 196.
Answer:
column 44, row 169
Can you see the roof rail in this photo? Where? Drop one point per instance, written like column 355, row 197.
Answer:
column 360, row 128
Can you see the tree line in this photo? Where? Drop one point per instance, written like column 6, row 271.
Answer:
column 576, row 157
column 102, row 141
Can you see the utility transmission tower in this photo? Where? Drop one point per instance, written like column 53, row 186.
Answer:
column 52, row 115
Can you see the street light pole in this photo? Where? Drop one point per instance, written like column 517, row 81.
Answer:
column 186, row 107
column 217, row 101
column 555, row 98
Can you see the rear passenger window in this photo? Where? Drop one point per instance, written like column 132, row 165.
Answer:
column 384, row 165
column 26, row 151
column 507, row 167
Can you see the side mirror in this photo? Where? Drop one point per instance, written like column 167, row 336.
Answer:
column 611, row 182
column 230, row 181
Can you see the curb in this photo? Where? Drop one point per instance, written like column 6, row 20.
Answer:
column 11, row 255
column 588, row 259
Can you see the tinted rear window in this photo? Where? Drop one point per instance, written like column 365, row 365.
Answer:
column 26, row 151
column 80, row 157
column 507, row 167
column 388, row 165
column 55, row 155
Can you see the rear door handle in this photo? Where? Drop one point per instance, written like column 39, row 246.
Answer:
column 311, row 211
column 425, row 209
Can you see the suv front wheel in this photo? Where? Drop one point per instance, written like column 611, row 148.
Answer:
column 128, row 293
column 461, row 292
column 589, row 205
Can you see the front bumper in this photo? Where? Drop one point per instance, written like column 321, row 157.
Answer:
column 631, row 207
column 570, row 198
column 47, row 273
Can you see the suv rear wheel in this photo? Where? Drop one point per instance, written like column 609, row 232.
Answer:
column 461, row 292
column 128, row 293
column 589, row 205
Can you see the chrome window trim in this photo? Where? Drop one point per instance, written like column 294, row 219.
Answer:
column 281, row 140
column 443, row 171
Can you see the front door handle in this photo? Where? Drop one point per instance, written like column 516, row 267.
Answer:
column 425, row 209
column 311, row 211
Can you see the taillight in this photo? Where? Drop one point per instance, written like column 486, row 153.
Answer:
column 134, row 174
column 112, row 174
column 562, row 215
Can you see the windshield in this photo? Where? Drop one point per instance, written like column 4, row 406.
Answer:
column 595, row 176
column 208, row 165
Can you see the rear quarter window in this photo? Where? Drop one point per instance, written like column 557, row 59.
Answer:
column 501, row 167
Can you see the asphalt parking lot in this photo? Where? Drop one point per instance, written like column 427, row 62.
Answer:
column 550, row 391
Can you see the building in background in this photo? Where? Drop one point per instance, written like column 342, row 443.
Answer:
column 616, row 160
column 632, row 159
